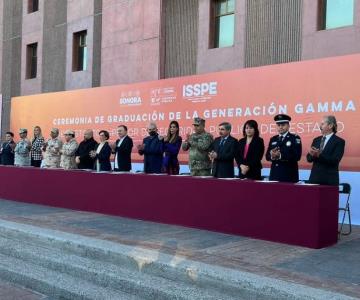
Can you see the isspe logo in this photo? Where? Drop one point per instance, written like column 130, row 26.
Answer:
column 200, row 92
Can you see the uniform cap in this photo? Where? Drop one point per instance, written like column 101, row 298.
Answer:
column 199, row 121
column 69, row 132
column 282, row 118
column 23, row 130
column 55, row 130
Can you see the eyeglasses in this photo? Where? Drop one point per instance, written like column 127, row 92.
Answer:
column 196, row 125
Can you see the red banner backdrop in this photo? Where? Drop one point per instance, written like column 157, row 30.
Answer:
column 305, row 90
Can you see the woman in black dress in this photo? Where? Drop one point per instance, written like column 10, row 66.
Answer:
column 251, row 151
column 102, row 153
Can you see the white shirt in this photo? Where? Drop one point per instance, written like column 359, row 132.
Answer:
column 116, row 164
column 224, row 139
column 101, row 145
column 284, row 135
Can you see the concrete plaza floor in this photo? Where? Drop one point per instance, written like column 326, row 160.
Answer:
column 336, row 268
column 9, row 291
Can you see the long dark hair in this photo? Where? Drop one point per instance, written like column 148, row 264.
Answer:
column 173, row 138
column 251, row 124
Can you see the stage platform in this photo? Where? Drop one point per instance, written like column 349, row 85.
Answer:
column 334, row 269
column 304, row 215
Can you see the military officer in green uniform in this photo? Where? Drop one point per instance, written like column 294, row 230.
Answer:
column 199, row 145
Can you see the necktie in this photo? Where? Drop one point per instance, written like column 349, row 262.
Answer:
column 281, row 138
column 222, row 143
column 322, row 143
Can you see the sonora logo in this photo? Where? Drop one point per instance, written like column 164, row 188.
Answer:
column 130, row 100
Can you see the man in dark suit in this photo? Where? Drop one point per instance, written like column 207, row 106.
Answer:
column 326, row 153
column 7, row 150
column 224, row 150
column 284, row 152
column 82, row 155
column 153, row 150
column 122, row 149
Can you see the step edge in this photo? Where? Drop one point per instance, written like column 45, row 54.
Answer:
column 192, row 268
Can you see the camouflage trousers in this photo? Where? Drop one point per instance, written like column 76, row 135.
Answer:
column 202, row 172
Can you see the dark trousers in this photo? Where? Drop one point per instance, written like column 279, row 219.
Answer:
column 36, row 163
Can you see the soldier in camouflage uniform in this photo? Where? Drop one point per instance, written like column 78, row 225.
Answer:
column 52, row 150
column 68, row 151
column 22, row 150
column 199, row 144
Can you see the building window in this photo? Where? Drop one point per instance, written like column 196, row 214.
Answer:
column 79, row 51
column 33, row 5
column 335, row 13
column 31, row 61
column 223, row 23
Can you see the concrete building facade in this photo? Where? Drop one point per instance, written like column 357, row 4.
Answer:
column 130, row 41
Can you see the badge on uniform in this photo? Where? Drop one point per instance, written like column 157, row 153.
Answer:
column 288, row 143
column 273, row 143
